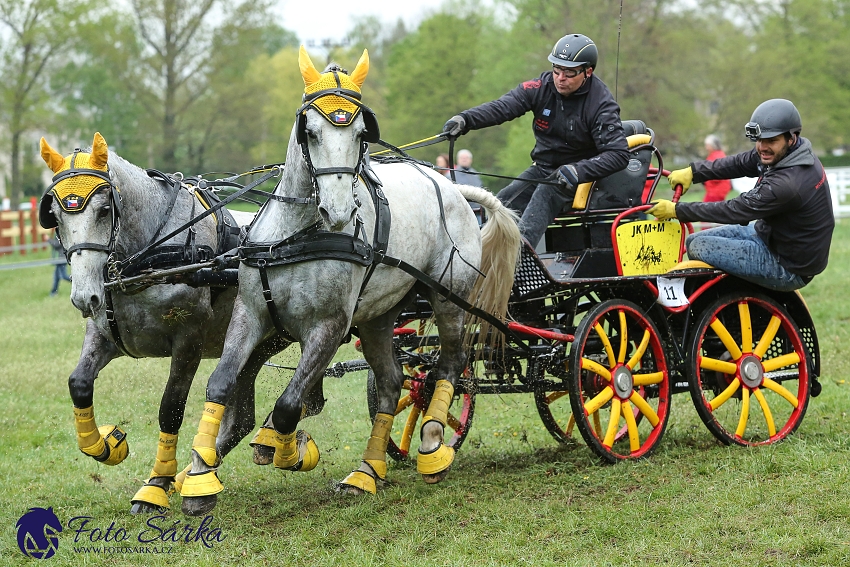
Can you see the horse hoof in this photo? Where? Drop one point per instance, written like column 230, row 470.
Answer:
column 435, row 478
column 146, row 508
column 263, row 455
column 348, row 489
column 199, row 505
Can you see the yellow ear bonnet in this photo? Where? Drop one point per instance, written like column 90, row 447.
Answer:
column 336, row 109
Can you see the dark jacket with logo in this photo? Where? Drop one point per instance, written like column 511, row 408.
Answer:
column 791, row 200
column 583, row 129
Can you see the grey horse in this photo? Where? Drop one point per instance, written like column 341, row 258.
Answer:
column 316, row 302
column 178, row 321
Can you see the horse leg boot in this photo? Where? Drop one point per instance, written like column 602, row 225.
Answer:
column 295, row 451
column 435, row 458
column 202, row 481
column 106, row 444
column 373, row 467
column 152, row 497
column 153, row 494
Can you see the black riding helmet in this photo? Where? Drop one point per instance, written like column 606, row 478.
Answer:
column 772, row 118
column 574, row 50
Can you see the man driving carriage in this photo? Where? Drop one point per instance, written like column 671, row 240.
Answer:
column 789, row 243
column 577, row 129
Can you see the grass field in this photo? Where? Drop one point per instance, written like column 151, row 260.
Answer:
column 513, row 497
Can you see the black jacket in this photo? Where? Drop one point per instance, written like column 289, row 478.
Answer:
column 791, row 200
column 583, row 129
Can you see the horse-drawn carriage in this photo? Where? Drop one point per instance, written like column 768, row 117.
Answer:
column 607, row 323
column 606, row 316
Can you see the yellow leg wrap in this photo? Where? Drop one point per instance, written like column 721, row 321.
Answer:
column 107, row 443
column 438, row 409
column 361, row 480
column 376, row 448
column 204, row 441
column 166, row 456
column 151, row 494
column 436, row 461
column 264, row 436
column 295, row 451
column 204, row 484
column 181, row 478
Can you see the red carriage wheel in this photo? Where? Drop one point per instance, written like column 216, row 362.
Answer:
column 748, row 370
column 619, row 386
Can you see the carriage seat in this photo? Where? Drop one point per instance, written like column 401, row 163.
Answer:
column 624, row 188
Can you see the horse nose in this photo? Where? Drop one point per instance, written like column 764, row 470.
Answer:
column 334, row 221
column 94, row 302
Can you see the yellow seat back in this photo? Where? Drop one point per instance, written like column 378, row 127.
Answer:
column 583, row 190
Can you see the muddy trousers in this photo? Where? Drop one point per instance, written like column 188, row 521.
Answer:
column 741, row 252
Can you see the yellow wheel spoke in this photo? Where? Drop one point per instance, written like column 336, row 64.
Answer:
column 403, row 404
column 645, row 409
column 725, row 395
column 409, row 428
column 555, row 395
column 717, row 365
column 631, row 424
column 646, row 379
column 781, row 361
column 768, row 417
column 570, row 424
column 726, row 338
column 745, row 413
column 613, row 423
column 600, row 400
column 780, row 389
column 597, row 426
column 606, row 343
column 596, row 368
column 644, row 342
column 624, row 336
column 746, row 327
column 767, row 337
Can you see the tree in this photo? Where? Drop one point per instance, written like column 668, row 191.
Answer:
column 37, row 32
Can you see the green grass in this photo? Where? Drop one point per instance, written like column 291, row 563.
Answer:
column 513, row 497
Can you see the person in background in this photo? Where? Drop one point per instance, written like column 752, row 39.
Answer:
column 578, row 133
column 464, row 173
column 715, row 189
column 61, row 271
column 789, row 243
column 441, row 164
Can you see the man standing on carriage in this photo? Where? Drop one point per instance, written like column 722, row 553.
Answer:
column 789, row 243
column 577, row 129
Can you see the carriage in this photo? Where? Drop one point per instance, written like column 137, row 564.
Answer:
column 607, row 323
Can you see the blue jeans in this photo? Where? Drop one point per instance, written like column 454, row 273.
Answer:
column 60, row 273
column 739, row 251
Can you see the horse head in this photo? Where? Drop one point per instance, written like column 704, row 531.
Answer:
column 83, row 205
column 333, row 128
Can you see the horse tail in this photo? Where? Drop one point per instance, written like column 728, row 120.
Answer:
column 500, row 246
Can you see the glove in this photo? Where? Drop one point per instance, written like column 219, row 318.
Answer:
column 683, row 177
column 567, row 176
column 663, row 209
column 455, row 126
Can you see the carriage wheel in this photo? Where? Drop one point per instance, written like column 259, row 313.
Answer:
column 747, row 353
column 618, row 370
column 411, row 407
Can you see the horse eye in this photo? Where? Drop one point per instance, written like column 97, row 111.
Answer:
column 103, row 211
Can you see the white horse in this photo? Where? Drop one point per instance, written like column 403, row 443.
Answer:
column 106, row 209
column 316, row 299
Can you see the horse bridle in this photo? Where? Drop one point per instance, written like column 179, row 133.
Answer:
column 370, row 134
column 115, row 206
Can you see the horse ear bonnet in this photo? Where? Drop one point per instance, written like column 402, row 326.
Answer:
column 73, row 186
